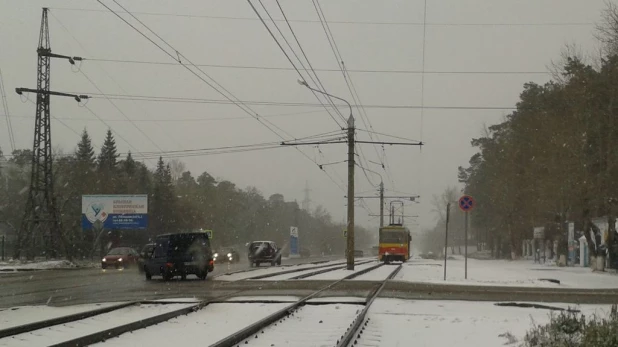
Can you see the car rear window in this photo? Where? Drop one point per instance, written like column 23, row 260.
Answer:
column 119, row 251
column 183, row 243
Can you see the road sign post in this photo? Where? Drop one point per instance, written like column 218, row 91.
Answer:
column 448, row 208
column 466, row 204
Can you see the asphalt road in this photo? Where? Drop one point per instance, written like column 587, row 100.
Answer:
column 80, row 286
column 67, row 287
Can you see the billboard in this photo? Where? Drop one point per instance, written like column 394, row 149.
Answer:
column 294, row 251
column 115, row 211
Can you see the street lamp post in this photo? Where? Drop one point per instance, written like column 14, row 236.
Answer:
column 351, row 163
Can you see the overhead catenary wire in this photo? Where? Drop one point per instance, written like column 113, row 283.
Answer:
column 282, row 68
column 245, row 108
column 348, row 80
column 297, row 57
column 530, row 24
column 154, row 98
column 64, row 27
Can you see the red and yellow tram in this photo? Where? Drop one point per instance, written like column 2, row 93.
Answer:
column 395, row 243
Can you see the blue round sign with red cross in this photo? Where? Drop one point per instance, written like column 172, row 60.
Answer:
column 466, row 203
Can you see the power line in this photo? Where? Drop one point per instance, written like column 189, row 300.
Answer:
column 347, row 78
column 286, row 104
column 290, row 59
column 534, row 24
column 113, row 80
column 115, row 132
column 172, row 120
column 5, row 106
column 307, row 59
column 228, row 95
column 282, row 68
column 243, row 106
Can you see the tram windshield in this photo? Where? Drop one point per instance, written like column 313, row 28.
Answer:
column 392, row 237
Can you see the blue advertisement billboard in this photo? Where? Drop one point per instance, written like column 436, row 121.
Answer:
column 294, row 249
column 115, row 212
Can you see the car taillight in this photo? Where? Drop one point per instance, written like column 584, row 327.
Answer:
column 211, row 262
column 169, row 264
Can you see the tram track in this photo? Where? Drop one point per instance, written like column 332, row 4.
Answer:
column 105, row 334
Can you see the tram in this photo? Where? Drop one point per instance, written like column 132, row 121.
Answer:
column 395, row 241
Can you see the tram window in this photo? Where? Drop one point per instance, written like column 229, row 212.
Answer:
column 392, row 237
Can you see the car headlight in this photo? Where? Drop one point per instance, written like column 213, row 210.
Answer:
column 119, row 259
column 216, row 255
column 229, row 255
column 231, row 258
column 103, row 260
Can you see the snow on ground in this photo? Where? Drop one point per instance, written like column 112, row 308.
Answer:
column 521, row 273
column 294, row 274
column 271, row 270
column 339, row 299
column 187, row 300
column 310, row 325
column 201, row 328
column 39, row 265
column 379, row 274
column 398, row 323
column 68, row 331
column 14, row 316
column 339, row 274
column 262, row 298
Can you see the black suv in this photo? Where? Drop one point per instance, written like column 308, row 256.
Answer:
column 264, row 252
column 180, row 254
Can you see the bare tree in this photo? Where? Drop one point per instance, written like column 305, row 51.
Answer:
column 177, row 167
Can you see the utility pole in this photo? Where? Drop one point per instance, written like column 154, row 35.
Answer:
column 351, row 162
column 448, row 208
column 350, row 238
column 381, row 204
column 41, row 217
column 306, row 201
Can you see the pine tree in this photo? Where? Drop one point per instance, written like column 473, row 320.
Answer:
column 85, row 152
column 129, row 165
column 109, row 153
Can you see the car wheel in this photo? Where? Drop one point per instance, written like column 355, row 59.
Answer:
column 257, row 264
column 148, row 275
column 103, row 266
column 279, row 261
column 167, row 276
column 183, row 277
column 203, row 275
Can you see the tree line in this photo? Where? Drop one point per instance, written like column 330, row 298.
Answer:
column 177, row 201
column 554, row 158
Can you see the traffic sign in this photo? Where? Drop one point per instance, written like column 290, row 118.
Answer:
column 466, row 203
column 345, row 233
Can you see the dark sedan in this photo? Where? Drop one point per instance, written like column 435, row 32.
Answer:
column 120, row 257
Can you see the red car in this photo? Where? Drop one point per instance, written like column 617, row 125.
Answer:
column 120, row 257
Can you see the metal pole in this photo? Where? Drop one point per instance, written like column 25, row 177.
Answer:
column 448, row 207
column 350, row 238
column 466, row 244
column 381, row 204
column 3, row 237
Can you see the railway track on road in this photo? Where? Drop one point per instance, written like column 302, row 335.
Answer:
column 22, row 332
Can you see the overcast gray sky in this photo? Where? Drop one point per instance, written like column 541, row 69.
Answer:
column 470, row 35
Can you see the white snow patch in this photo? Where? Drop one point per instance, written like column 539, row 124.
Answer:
column 41, row 265
column 268, row 270
column 310, row 325
column 188, row 300
column 394, row 322
column 202, row 328
column 68, row 331
column 520, row 273
column 379, row 274
column 20, row 315
column 341, row 273
column 336, row 299
column 262, row 298
column 294, row 274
